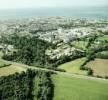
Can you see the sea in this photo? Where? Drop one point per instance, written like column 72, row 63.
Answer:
column 83, row 12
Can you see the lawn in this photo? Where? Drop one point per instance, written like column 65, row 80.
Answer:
column 99, row 67
column 69, row 88
column 74, row 66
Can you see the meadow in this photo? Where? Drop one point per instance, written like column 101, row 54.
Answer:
column 5, row 71
column 70, row 88
column 80, row 44
column 103, row 38
column 74, row 66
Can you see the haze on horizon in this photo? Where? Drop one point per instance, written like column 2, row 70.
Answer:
column 19, row 4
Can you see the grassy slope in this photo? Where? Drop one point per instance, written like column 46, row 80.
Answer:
column 68, row 88
column 73, row 66
column 2, row 63
column 99, row 66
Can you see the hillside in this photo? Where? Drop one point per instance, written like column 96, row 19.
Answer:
column 54, row 58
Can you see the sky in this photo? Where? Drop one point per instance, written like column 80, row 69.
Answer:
column 16, row 4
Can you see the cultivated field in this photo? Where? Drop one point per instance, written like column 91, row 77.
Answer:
column 99, row 67
column 69, row 88
column 74, row 66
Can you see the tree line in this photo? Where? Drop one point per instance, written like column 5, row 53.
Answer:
column 30, row 85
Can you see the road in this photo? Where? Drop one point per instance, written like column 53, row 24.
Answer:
column 59, row 73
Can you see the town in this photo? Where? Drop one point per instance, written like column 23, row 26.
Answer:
column 53, row 54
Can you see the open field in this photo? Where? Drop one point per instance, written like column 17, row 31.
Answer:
column 14, row 67
column 99, row 67
column 80, row 44
column 74, row 66
column 103, row 55
column 2, row 63
column 104, row 52
column 103, row 38
column 11, row 70
column 70, row 88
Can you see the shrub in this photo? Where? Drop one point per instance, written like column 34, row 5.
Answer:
column 99, row 76
column 106, row 77
column 90, row 71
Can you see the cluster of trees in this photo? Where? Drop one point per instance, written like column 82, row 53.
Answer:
column 91, row 40
column 30, row 50
column 30, row 85
column 89, row 70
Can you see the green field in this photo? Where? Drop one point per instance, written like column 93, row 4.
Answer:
column 103, row 38
column 104, row 52
column 69, row 88
column 74, row 66
column 2, row 62
column 12, row 69
column 80, row 44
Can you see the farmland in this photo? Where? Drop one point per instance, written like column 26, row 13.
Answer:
column 74, row 66
column 69, row 88
column 99, row 67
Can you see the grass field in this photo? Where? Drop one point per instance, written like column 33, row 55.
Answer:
column 80, row 44
column 2, row 63
column 14, row 67
column 99, row 67
column 103, row 38
column 104, row 53
column 74, row 66
column 69, row 88
column 5, row 71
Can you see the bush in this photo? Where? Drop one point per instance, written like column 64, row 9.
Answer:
column 106, row 77
column 90, row 71
column 56, row 69
column 82, row 67
column 61, row 70
column 99, row 76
